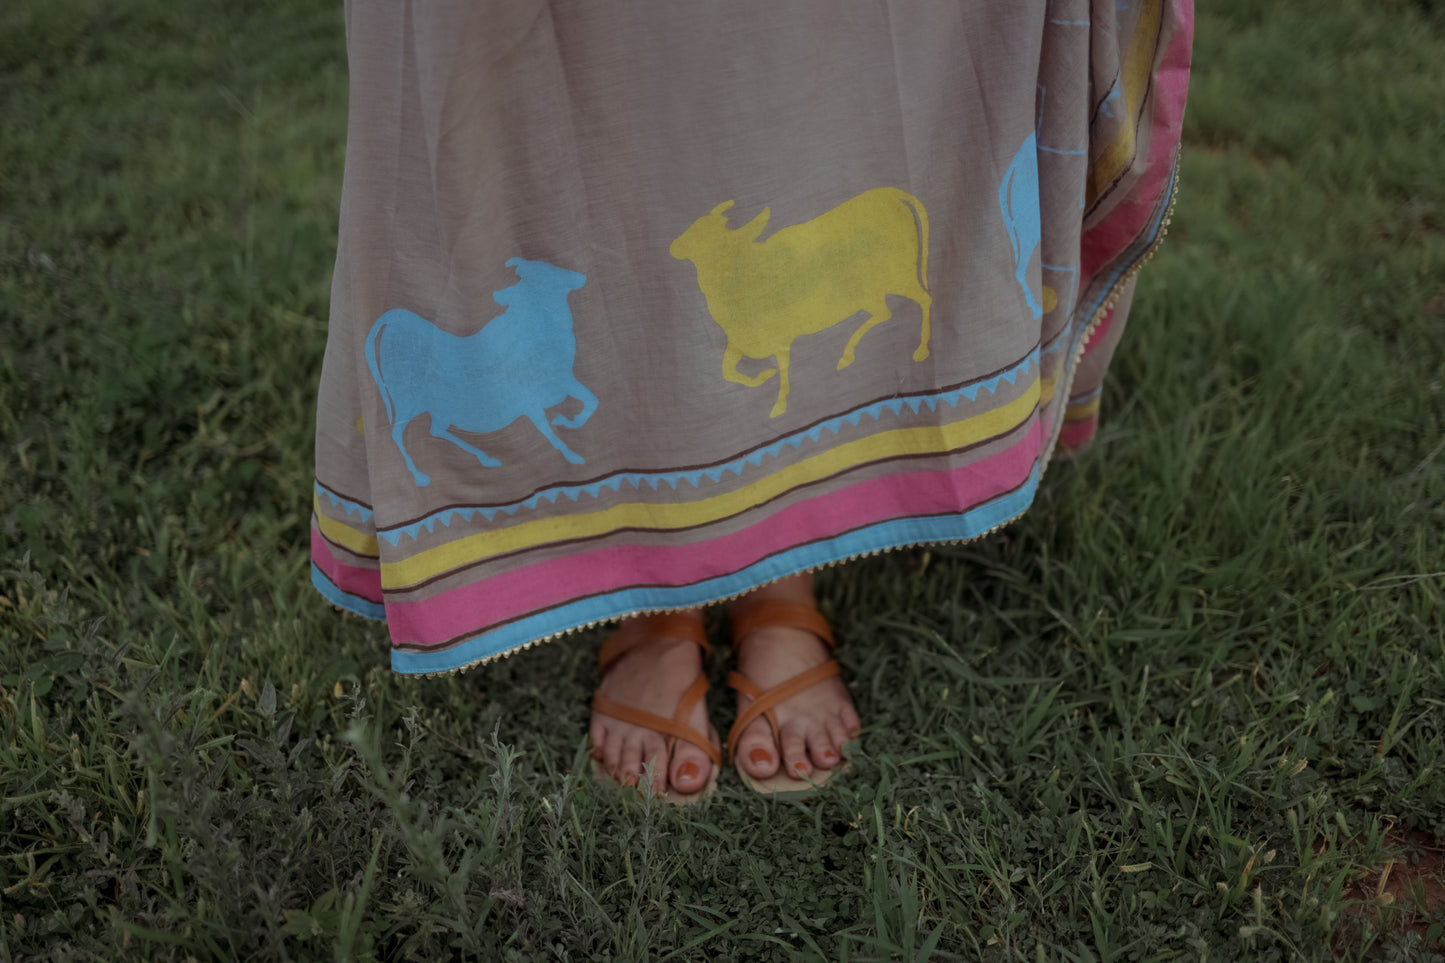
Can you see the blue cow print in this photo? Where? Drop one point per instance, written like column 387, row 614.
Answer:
column 517, row 366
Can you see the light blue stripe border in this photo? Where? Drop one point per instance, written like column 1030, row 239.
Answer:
column 880, row 537
column 345, row 600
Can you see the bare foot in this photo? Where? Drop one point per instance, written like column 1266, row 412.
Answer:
column 816, row 722
column 653, row 678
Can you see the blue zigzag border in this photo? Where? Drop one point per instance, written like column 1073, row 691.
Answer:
column 345, row 504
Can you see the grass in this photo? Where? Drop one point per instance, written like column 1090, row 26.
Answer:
column 1180, row 711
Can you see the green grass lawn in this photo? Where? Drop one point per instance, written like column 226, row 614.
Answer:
column 1179, row 711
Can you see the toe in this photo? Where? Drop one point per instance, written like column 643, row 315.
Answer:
column 849, row 718
column 597, row 731
column 795, row 754
column 629, row 767
column 689, row 770
column 821, row 750
column 756, row 752
column 837, row 735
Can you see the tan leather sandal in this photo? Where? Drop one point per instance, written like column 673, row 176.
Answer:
column 686, row 626
column 748, row 618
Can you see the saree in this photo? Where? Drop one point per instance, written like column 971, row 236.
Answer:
column 640, row 306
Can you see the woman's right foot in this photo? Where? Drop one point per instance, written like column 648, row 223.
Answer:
column 653, row 677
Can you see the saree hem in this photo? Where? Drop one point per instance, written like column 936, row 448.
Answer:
column 582, row 614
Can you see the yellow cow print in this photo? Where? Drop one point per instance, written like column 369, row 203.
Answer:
column 809, row 277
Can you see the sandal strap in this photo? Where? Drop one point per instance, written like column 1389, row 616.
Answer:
column 750, row 616
column 764, row 703
column 686, row 626
column 741, row 683
column 673, row 728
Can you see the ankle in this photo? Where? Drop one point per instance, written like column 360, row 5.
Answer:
column 794, row 588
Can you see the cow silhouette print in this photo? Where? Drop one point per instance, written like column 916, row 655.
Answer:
column 517, row 366
column 808, row 277
column 1018, row 202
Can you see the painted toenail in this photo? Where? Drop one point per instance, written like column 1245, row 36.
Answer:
column 829, row 756
column 800, row 766
column 687, row 770
column 760, row 757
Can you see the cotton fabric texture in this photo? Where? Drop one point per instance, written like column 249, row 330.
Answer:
column 639, row 306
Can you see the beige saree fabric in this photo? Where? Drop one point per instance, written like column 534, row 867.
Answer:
column 640, row 305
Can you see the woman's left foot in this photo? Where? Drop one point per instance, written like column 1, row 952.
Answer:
column 815, row 723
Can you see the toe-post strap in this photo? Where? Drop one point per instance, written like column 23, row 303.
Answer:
column 764, row 703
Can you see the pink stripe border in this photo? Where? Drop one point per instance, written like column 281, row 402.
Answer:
column 364, row 583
